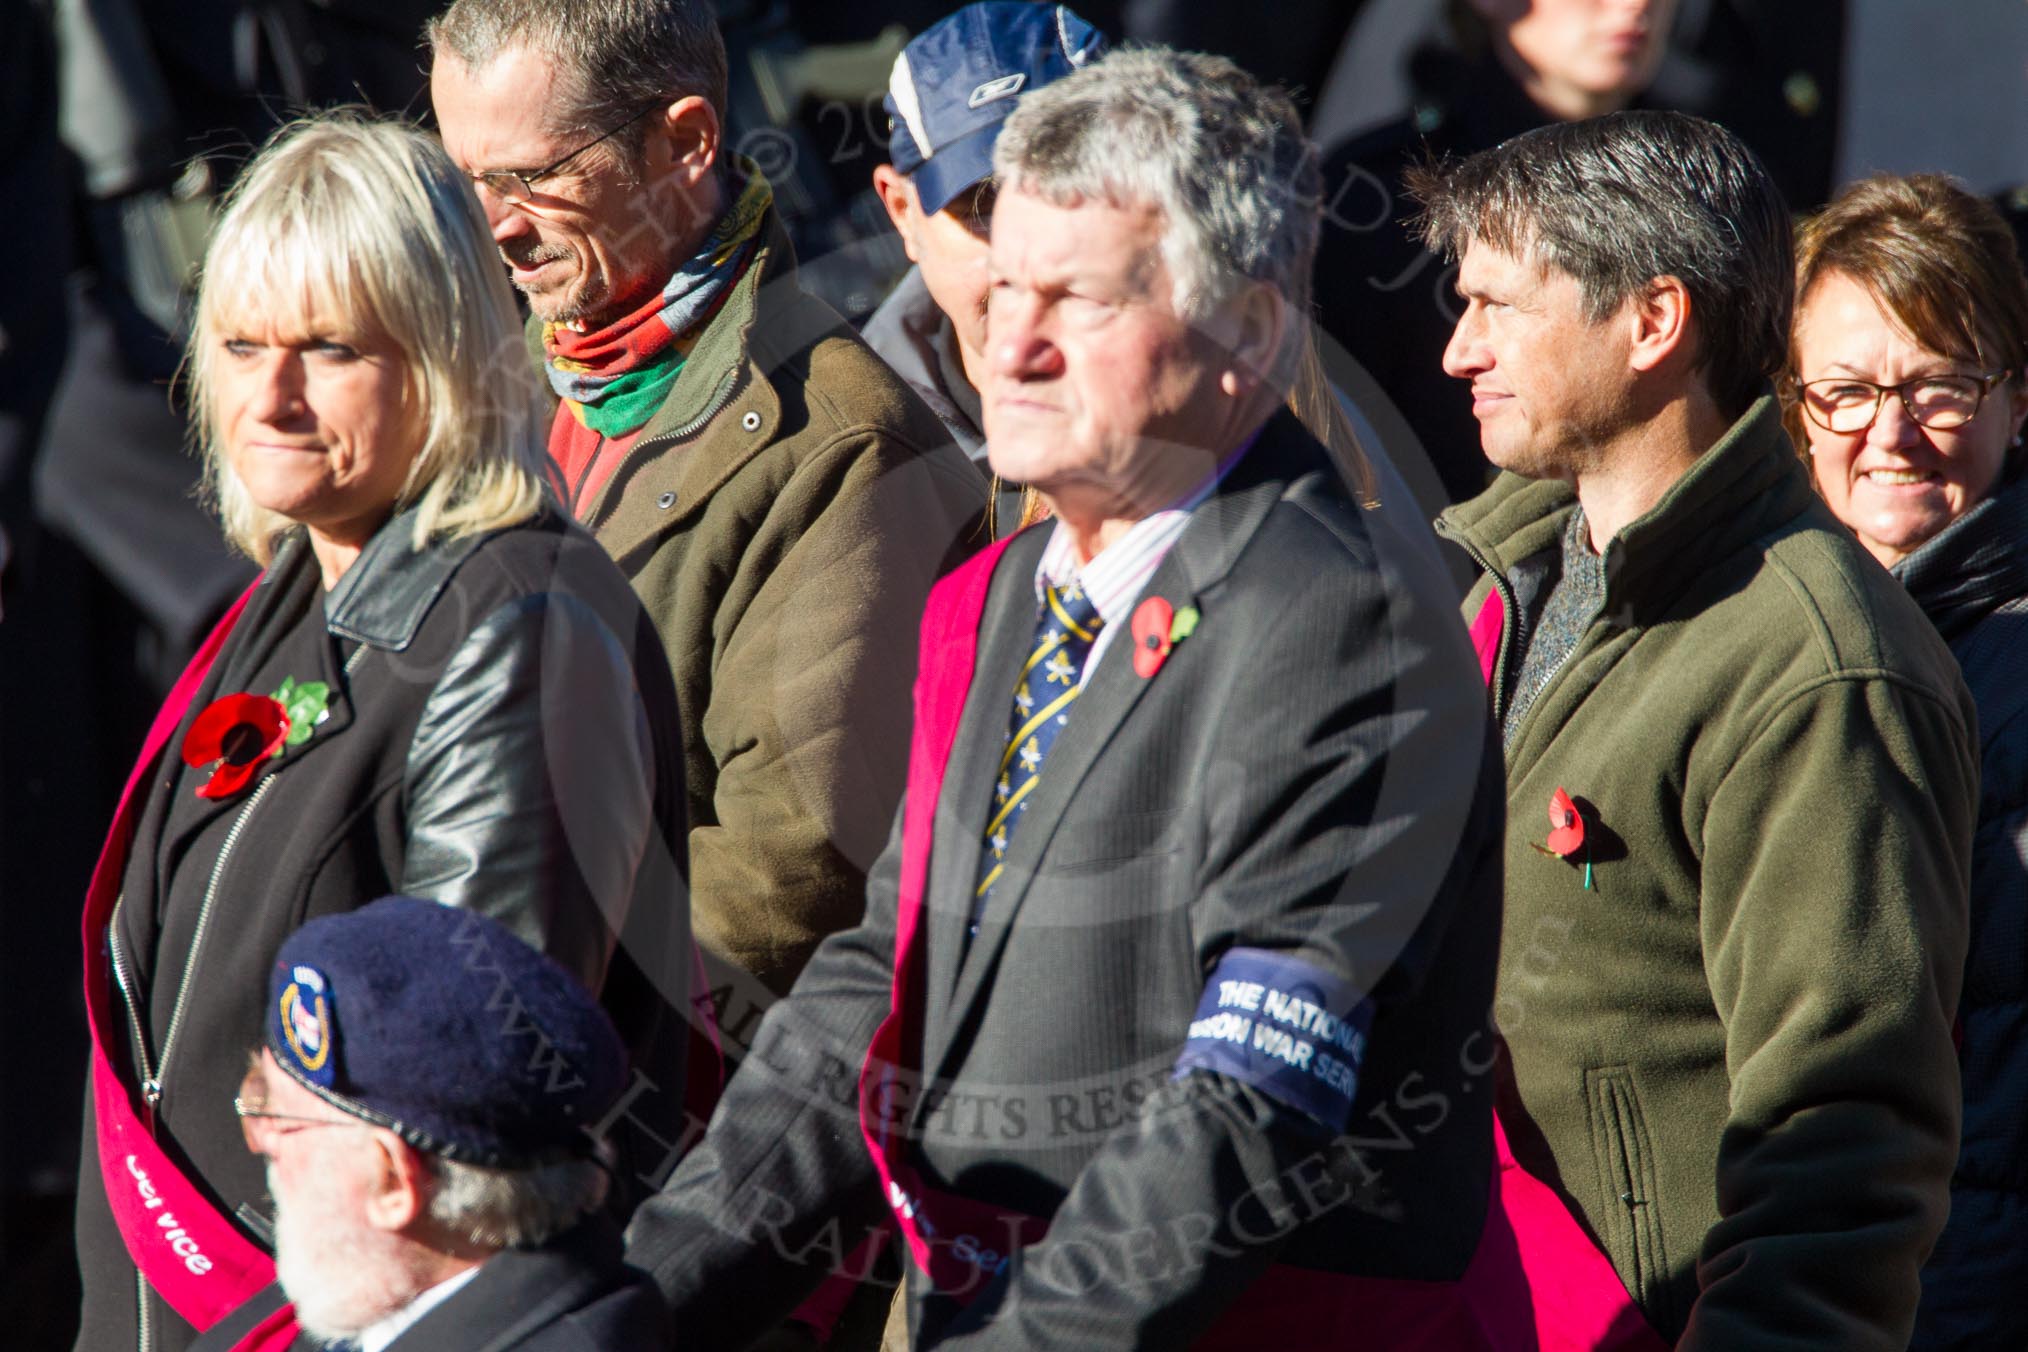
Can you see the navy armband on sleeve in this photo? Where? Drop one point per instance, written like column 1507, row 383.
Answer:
column 1285, row 1027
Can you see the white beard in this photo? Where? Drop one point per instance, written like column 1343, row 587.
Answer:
column 342, row 1275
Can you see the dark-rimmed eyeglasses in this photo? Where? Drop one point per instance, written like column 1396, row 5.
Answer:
column 1846, row 404
column 518, row 185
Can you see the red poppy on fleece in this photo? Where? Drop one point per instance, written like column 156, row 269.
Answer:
column 1566, row 826
column 237, row 733
column 1152, row 619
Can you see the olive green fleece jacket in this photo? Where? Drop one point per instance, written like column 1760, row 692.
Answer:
column 782, row 517
column 1733, row 1056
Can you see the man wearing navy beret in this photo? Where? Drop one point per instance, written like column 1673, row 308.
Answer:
column 424, row 1096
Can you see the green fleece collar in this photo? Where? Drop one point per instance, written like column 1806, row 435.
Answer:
column 1746, row 485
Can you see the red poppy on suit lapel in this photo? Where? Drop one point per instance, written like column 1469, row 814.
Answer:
column 235, row 733
column 1152, row 619
column 1566, row 826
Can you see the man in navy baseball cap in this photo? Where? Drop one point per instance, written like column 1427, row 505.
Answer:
column 951, row 89
column 426, row 1096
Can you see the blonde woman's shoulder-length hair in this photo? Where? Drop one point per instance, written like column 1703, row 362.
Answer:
column 366, row 225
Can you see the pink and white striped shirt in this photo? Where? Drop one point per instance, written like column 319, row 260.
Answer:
column 1117, row 574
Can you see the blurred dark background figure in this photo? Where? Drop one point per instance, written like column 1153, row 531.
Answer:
column 806, row 80
column 121, row 121
column 1452, row 77
column 40, row 922
column 38, row 819
column 159, row 103
column 1295, row 43
column 803, row 87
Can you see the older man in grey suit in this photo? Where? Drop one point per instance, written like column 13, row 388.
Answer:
column 1166, row 1024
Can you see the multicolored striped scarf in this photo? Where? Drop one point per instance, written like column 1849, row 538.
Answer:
column 614, row 378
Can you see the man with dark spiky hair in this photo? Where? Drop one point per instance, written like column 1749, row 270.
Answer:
column 1741, row 782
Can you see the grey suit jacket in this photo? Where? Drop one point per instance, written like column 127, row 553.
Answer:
column 1310, row 773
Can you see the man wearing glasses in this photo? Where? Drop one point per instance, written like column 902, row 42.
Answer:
column 1741, row 781
column 416, row 1208
column 778, row 498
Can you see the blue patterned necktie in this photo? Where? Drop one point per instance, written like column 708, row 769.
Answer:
column 1049, row 683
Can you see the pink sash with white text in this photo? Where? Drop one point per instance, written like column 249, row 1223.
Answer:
column 193, row 1256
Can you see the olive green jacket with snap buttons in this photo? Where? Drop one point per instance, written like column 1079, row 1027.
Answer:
column 782, row 517
column 1732, row 1055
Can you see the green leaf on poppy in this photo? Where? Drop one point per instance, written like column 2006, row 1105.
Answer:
column 1184, row 625
column 305, row 702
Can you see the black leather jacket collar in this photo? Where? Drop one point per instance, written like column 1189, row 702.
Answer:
column 385, row 594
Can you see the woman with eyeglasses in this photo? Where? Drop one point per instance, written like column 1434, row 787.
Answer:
column 1906, row 393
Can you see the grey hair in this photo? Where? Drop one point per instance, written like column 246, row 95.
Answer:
column 514, row 1208
column 613, row 58
column 1617, row 201
column 1220, row 154
column 367, row 226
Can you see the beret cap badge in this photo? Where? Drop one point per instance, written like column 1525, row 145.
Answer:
column 304, row 1015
